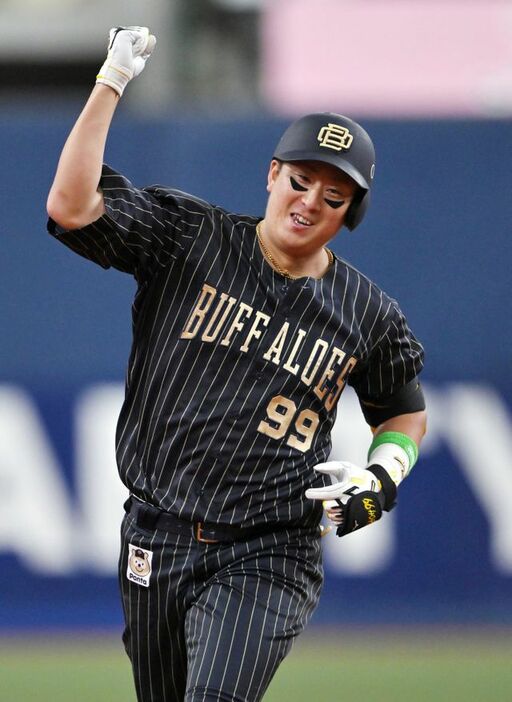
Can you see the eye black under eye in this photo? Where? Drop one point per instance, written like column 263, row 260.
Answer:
column 334, row 203
column 296, row 185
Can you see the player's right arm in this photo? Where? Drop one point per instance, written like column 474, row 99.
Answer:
column 75, row 199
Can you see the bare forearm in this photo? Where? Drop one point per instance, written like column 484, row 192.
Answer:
column 413, row 425
column 391, row 457
column 74, row 199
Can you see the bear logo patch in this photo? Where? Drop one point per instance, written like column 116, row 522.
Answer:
column 139, row 565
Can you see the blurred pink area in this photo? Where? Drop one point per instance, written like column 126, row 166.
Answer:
column 388, row 57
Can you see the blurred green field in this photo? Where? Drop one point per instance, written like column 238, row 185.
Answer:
column 386, row 666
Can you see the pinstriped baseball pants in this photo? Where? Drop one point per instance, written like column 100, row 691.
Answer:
column 215, row 620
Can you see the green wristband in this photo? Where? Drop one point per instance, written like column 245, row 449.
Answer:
column 396, row 437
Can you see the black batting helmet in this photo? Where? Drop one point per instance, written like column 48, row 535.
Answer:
column 338, row 140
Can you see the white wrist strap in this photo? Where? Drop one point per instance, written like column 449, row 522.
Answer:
column 393, row 459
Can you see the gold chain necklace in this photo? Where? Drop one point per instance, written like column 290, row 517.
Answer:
column 275, row 264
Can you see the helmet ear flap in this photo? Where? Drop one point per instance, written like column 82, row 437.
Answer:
column 357, row 209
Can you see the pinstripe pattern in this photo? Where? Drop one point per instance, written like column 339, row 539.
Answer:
column 231, row 392
column 234, row 608
column 188, row 438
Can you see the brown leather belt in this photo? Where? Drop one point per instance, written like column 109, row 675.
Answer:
column 149, row 517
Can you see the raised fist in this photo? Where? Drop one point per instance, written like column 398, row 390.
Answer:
column 128, row 50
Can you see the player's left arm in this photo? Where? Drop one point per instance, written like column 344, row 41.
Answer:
column 358, row 496
column 413, row 424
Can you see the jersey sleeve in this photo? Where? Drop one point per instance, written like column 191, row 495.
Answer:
column 394, row 361
column 141, row 230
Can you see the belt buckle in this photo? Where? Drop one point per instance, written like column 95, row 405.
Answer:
column 324, row 530
column 199, row 535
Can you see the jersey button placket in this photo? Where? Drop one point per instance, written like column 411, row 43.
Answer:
column 284, row 304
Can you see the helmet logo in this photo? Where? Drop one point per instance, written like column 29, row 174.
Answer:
column 332, row 136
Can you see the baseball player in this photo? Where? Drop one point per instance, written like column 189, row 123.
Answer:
column 245, row 332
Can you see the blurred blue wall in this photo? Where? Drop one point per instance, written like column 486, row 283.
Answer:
column 437, row 237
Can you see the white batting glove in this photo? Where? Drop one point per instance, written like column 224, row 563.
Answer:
column 355, row 498
column 347, row 480
column 128, row 50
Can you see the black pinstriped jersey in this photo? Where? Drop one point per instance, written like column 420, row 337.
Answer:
column 235, row 371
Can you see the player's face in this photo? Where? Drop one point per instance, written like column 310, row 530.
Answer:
column 307, row 205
